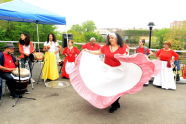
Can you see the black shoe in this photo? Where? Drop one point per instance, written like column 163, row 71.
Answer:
column 112, row 109
column 118, row 105
column 146, row 85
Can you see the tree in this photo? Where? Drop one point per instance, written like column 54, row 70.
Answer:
column 77, row 36
column 11, row 30
column 3, row 1
column 98, row 37
column 83, row 32
column 89, row 26
column 161, row 35
column 77, row 28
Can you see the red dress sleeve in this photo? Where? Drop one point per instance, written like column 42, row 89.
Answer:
column 137, row 50
column 84, row 46
column 65, row 51
column 99, row 47
column 103, row 49
column 148, row 51
column 77, row 51
column 122, row 50
column 158, row 53
column 175, row 55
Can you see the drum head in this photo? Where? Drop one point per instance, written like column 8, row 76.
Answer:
column 24, row 73
column 39, row 55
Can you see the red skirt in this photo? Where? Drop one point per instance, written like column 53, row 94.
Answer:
column 64, row 73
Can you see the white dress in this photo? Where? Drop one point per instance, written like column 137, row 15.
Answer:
column 53, row 46
column 165, row 78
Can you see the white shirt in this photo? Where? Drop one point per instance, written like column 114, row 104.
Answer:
column 26, row 49
column 53, row 46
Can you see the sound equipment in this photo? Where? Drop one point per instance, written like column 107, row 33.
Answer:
column 65, row 39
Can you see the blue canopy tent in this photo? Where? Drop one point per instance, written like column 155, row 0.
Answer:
column 21, row 11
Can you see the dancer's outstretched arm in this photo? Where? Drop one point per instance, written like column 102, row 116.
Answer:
column 97, row 52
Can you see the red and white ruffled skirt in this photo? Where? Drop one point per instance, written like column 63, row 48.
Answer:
column 101, row 84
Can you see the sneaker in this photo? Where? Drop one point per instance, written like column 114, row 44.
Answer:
column 27, row 92
column 44, row 80
column 32, row 80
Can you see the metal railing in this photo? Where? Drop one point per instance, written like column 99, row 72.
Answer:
column 132, row 49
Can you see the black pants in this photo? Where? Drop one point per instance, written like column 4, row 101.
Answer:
column 9, row 81
column 116, row 103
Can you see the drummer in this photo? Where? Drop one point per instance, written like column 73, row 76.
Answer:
column 7, row 65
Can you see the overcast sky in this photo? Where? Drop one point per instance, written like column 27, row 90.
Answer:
column 124, row 14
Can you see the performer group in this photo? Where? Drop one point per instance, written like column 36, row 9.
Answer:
column 100, row 74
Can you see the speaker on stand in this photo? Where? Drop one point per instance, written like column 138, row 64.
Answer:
column 65, row 39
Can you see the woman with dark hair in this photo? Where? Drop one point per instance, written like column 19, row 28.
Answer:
column 26, row 47
column 112, row 47
column 102, row 83
column 51, row 48
column 142, row 49
column 70, row 54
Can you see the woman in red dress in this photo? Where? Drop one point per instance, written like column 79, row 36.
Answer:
column 70, row 53
column 165, row 78
column 102, row 83
column 142, row 49
column 114, row 46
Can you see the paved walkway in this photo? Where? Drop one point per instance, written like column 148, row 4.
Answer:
column 64, row 106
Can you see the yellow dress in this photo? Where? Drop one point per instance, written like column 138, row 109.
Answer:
column 50, row 69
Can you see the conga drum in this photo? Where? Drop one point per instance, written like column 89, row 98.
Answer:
column 39, row 56
column 21, row 82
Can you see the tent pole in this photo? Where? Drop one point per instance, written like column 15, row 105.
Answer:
column 38, row 35
column 66, row 34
